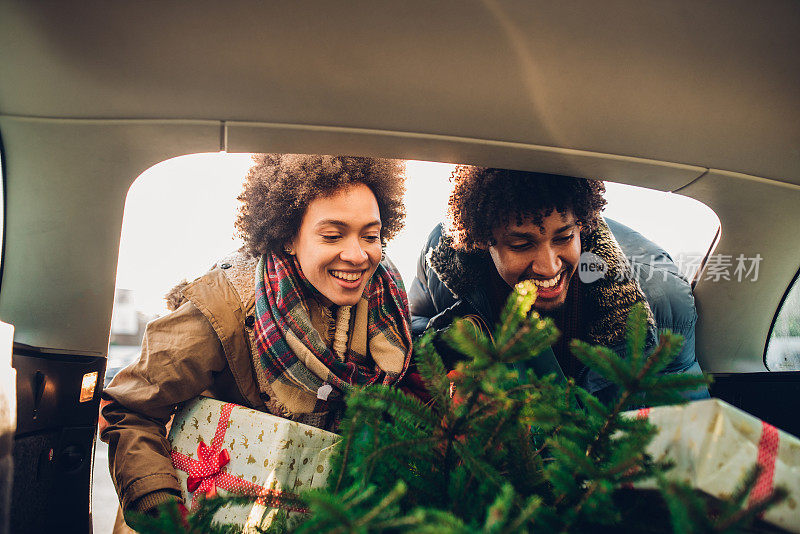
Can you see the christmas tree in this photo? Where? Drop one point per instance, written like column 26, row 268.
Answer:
column 499, row 448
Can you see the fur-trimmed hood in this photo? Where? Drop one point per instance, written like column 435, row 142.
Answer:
column 239, row 267
column 606, row 302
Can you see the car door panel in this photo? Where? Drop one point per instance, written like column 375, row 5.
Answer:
column 54, row 440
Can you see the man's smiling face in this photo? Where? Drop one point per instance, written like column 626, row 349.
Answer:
column 547, row 254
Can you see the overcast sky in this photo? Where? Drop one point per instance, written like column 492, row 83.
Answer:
column 179, row 220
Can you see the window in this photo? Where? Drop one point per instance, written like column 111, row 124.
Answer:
column 683, row 226
column 783, row 346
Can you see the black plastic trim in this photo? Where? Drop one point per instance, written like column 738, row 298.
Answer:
column 4, row 192
column 775, row 319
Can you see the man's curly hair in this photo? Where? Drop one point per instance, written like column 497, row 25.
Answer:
column 279, row 188
column 485, row 198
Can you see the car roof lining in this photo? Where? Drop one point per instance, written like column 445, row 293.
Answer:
column 712, row 85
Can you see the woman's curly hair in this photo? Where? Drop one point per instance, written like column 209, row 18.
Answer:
column 279, row 188
column 484, row 198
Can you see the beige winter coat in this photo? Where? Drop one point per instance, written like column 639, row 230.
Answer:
column 204, row 347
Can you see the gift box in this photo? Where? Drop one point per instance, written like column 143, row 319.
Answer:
column 222, row 448
column 713, row 445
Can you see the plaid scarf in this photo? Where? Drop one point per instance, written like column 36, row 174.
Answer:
column 303, row 372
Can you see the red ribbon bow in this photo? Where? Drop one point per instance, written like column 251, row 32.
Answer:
column 203, row 474
column 206, row 473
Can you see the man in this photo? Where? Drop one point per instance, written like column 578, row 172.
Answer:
column 508, row 226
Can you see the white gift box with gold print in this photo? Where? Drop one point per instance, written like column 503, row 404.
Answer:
column 713, row 445
column 224, row 448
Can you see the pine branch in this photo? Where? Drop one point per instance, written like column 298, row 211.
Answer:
column 400, row 406
column 526, row 515
column 498, row 513
column 575, row 512
column 682, row 503
column 464, row 338
column 736, row 512
column 433, row 521
column 517, row 307
column 633, row 388
column 478, row 465
column 533, row 339
column 432, row 370
column 670, row 345
column 406, row 445
column 637, row 336
column 391, row 498
column 603, row 361
column 347, row 429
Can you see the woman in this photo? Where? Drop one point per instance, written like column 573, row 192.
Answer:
column 306, row 310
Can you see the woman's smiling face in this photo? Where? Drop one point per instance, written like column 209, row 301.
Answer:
column 338, row 245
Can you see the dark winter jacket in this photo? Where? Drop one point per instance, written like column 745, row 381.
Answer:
column 452, row 284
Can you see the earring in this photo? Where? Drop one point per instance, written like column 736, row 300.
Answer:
column 287, row 249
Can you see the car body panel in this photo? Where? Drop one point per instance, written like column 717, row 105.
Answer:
column 736, row 316
column 66, row 182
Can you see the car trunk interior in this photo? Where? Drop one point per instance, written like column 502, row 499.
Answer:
column 695, row 98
